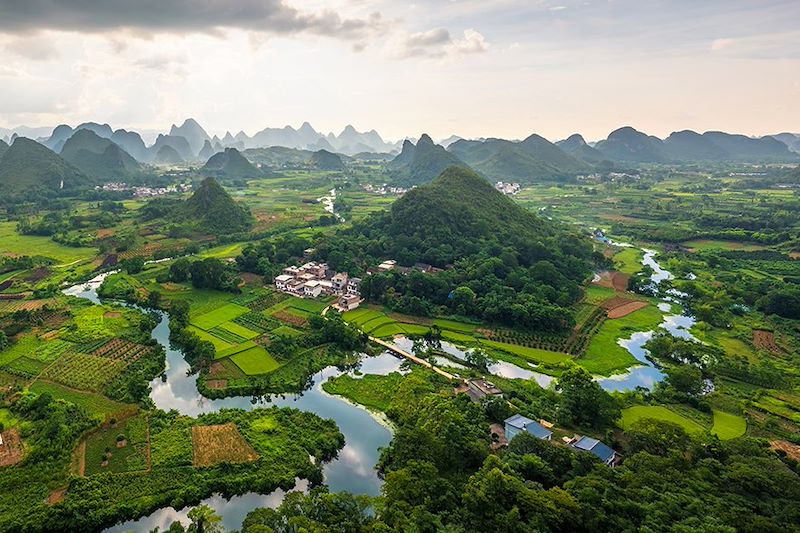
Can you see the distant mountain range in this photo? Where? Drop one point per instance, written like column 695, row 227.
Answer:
column 99, row 152
column 628, row 144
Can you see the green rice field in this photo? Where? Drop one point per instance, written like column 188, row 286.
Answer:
column 631, row 415
column 728, row 426
column 255, row 360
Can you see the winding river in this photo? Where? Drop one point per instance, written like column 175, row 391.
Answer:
column 647, row 374
column 365, row 432
column 353, row 470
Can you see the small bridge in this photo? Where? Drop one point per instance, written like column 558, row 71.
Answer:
column 411, row 357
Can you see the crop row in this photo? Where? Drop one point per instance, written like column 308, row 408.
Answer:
column 122, row 350
column 24, row 367
column 256, row 322
column 266, row 301
column 227, row 336
column 579, row 341
column 89, row 347
column 51, row 350
column 83, row 371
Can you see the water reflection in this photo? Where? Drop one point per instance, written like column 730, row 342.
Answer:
column 352, row 470
column 678, row 325
column 503, row 369
column 232, row 511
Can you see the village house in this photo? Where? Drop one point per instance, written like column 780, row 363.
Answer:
column 386, row 266
column 312, row 289
column 517, row 424
column 478, row 389
column 339, row 282
column 596, row 448
column 313, row 279
column 348, row 302
column 282, row 280
column 354, row 286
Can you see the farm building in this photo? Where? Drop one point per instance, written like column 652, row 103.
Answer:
column 517, row 424
column 596, row 448
column 480, row 388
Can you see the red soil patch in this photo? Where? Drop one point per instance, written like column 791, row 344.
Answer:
column 794, row 255
column 112, row 314
column 619, row 306
column 619, row 281
column 624, row 310
column 11, row 451
column 792, row 450
column 56, row 496
column 217, row 383
column 105, row 233
column 215, row 368
column 613, row 280
column 765, row 340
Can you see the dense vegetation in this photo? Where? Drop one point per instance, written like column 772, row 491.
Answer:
column 209, row 209
column 501, row 263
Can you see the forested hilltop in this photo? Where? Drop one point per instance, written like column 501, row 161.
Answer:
column 497, row 261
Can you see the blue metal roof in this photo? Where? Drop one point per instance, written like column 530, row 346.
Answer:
column 538, row 430
column 531, row 426
column 602, row 451
column 586, row 443
column 518, row 421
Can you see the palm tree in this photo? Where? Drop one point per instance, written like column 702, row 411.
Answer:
column 205, row 520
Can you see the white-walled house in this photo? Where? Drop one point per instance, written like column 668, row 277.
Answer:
column 312, row 289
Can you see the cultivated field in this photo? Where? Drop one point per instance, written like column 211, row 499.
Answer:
column 222, row 443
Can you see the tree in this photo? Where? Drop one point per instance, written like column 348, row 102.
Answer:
column 583, row 402
column 134, row 265
column 479, row 359
column 687, row 379
column 463, row 300
column 205, row 520
column 154, row 299
column 3, row 340
column 179, row 270
column 657, row 437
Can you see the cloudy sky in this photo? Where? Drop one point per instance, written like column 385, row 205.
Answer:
column 503, row 68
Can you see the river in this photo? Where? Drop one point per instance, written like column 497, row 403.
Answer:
column 647, row 374
column 644, row 375
column 352, row 470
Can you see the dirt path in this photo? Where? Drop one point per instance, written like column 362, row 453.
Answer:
column 82, row 458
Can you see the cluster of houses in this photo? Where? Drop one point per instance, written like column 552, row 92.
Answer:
column 313, row 279
column 385, row 189
column 145, row 192
column 507, row 188
column 477, row 389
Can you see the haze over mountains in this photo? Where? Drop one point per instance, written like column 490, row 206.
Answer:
column 94, row 151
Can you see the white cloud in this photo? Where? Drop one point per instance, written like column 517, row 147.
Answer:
column 438, row 43
column 472, row 43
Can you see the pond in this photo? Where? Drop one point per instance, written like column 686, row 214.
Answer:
column 352, row 470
